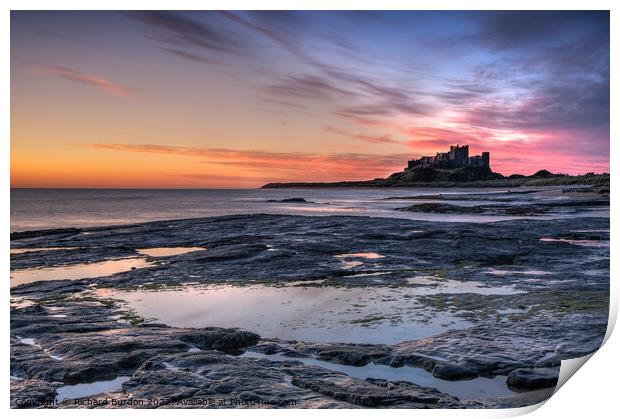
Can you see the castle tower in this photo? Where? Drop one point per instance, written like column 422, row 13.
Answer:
column 459, row 152
column 465, row 152
column 486, row 159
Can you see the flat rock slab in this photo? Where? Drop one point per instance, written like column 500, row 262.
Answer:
column 533, row 378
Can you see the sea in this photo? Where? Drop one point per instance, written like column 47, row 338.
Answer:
column 36, row 209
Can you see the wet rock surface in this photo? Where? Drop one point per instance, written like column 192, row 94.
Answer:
column 289, row 248
column 66, row 333
column 468, row 353
column 500, row 209
column 80, row 339
column 531, row 378
column 291, row 200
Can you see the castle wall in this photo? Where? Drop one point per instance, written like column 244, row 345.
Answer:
column 458, row 156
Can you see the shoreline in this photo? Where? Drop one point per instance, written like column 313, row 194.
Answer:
column 313, row 202
column 602, row 183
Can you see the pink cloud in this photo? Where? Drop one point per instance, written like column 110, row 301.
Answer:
column 277, row 166
column 377, row 139
column 87, row 79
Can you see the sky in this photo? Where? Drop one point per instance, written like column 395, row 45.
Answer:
column 235, row 99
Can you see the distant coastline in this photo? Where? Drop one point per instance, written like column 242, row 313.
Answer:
column 456, row 168
column 540, row 178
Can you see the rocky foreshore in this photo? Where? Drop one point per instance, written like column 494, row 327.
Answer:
column 68, row 333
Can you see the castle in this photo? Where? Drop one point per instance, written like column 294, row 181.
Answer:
column 458, row 156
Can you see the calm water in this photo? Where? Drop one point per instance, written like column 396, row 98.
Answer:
column 313, row 313
column 478, row 388
column 33, row 209
column 77, row 271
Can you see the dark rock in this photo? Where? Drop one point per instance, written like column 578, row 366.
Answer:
column 533, row 378
column 290, row 200
column 377, row 393
column 352, row 358
column 499, row 259
column 57, row 233
column 440, row 208
column 454, row 372
column 28, row 394
column 236, row 340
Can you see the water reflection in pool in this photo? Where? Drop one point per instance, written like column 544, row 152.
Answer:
column 77, row 271
column 18, row 251
column 314, row 313
column 473, row 389
column 90, row 389
column 347, row 263
column 430, row 285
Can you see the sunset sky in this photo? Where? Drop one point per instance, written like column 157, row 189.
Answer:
column 239, row 99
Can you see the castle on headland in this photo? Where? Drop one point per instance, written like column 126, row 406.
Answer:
column 458, row 156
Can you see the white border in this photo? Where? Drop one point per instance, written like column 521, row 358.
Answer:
column 591, row 393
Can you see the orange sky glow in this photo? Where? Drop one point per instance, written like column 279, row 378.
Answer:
column 240, row 99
